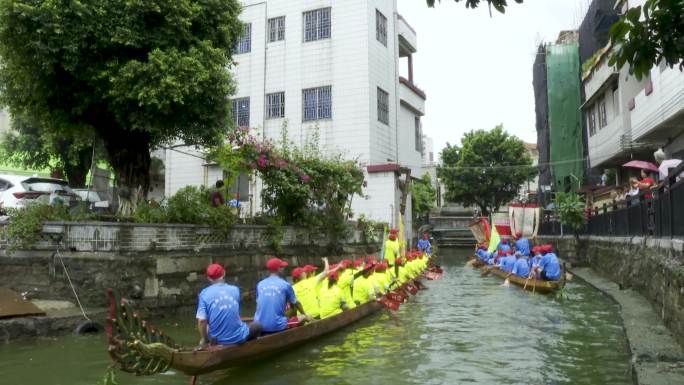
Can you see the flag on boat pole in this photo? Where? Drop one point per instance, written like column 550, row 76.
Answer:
column 382, row 246
column 402, row 236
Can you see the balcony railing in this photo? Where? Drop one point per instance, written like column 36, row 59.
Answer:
column 660, row 216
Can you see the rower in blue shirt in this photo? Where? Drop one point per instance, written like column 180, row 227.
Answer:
column 521, row 268
column 218, row 312
column 549, row 267
column 535, row 258
column 506, row 263
column 503, row 245
column 424, row 244
column 273, row 294
column 522, row 244
column 482, row 253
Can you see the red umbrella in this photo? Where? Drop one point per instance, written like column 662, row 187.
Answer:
column 642, row 164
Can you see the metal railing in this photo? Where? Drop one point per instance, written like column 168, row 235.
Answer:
column 661, row 215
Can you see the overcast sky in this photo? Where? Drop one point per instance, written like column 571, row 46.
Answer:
column 477, row 70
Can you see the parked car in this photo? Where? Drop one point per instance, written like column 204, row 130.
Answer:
column 97, row 201
column 16, row 191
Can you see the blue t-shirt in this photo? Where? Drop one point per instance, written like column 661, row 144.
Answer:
column 549, row 264
column 424, row 245
column 534, row 261
column 507, row 263
column 483, row 254
column 504, row 247
column 523, row 246
column 273, row 293
column 521, row 268
column 219, row 304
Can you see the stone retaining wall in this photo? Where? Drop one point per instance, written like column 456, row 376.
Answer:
column 652, row 267
column 161, row 265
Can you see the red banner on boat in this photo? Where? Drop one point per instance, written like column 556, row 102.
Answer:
column 503, row 226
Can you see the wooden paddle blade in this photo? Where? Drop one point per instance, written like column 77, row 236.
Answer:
column 391, row 305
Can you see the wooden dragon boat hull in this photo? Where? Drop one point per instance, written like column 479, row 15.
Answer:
column 222, row 357
column 532, row 284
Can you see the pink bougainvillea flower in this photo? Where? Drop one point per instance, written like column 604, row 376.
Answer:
column 262, row 161
column 306, row 178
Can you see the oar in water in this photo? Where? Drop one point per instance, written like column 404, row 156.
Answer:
column 486, row 270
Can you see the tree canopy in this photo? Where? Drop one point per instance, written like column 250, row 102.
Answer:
column 137, row 74
column 643, row 37
column 423, row 195
column 486, row 171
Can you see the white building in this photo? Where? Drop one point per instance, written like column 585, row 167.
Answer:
column 331, row 66
column 628, row 118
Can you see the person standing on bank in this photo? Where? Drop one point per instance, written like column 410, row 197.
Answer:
column 218, row 312
column 217, row 196
column 273, row 295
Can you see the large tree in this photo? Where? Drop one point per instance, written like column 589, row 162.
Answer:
column 643, row 37
column 27, row 145
column 136, row 73
column 486, row 171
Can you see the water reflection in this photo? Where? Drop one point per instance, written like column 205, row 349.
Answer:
column 464, row 329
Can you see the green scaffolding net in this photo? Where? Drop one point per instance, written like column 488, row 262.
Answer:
column 565, row 128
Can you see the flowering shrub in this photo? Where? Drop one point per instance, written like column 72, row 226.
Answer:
column 302, row 186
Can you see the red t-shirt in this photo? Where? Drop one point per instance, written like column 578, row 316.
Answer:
column 648, row 181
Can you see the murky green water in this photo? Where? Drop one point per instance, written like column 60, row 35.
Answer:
column 464, row 329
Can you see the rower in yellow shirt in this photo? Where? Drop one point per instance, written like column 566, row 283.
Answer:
column 391, row 247
column 346, row 279
column 364, row 286
column 330, row 299
column 380, row 278
column 306, row 285
column 403, row 272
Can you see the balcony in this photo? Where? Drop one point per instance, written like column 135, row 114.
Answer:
column 408, row 42
column 411, row 96
column 658, row 109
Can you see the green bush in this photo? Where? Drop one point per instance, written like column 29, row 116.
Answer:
column 190, row 205
column 26, row 223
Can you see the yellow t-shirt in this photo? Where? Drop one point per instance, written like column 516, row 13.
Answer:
column 329, row 300
column 391, row 251
column 307, row 294
column 345, row 283
column 363, row 289
column 403, row 275
column 380, row 281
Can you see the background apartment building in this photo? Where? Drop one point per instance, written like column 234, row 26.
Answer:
column 331, row 67
column 627, row 118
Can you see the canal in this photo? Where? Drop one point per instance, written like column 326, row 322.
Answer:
column 464, row 329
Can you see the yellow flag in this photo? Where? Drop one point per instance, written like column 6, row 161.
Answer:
column 494, row 240
column 402, row 236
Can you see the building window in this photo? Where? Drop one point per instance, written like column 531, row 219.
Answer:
column 276, row 29
column 317, row 103
column 381, row 27
column 244, row 44
column 317, row 24
column 591, row 120
column 241, row 112
column 419, row 135
column 275, row 105
column 383, row 106
column 603, row 117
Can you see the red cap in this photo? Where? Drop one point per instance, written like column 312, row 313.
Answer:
column 297, row 272
column 381, row 266
column 309, row 268
column 215, row 271
column 518, row 234
column 358, row 262
column 399, row 261
column 369, row 266
column 393, row 231
column 345, row 263
column 392, row 236
column 509, row 252
column 548, row 248
column 372, row 258
column 333, row 276
column 274, row 264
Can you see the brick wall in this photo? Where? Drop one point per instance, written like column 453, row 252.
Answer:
column 161, row 265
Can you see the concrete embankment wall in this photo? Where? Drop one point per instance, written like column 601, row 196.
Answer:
column 652, row 267
column 159, row 265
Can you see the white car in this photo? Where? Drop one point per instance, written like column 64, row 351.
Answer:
column 95, row 199
column 16, row 191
